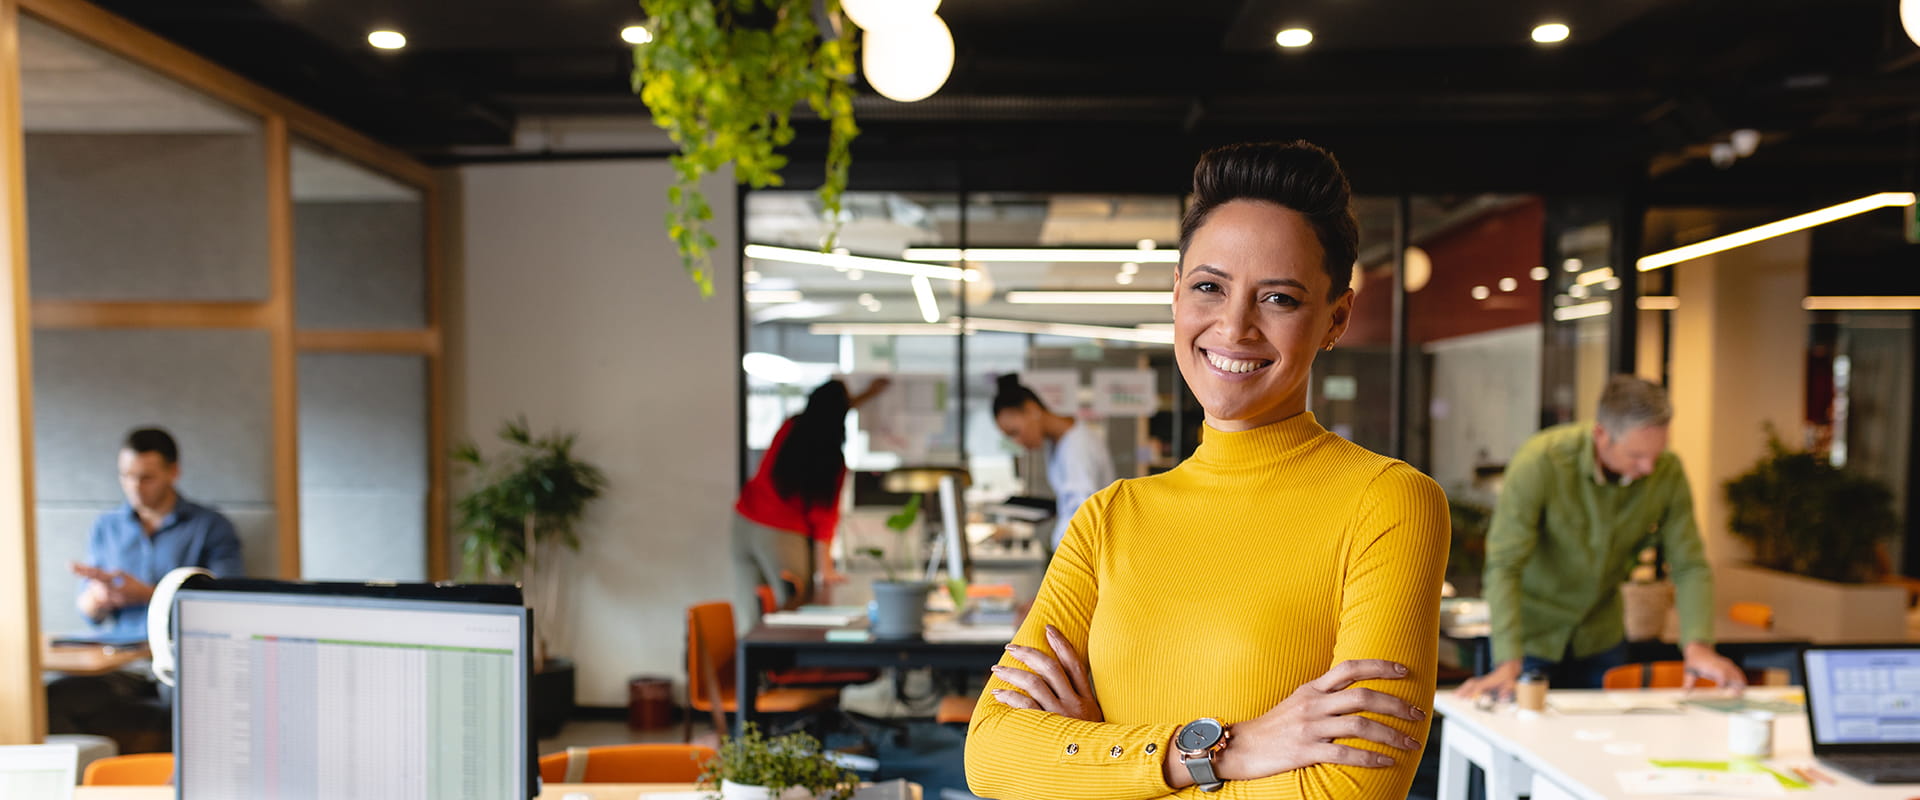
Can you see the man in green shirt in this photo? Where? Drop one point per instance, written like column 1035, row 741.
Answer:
column 1578, row 503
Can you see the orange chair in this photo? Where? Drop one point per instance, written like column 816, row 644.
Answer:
column 627, row 763
column 142, row 769
column 1758, row 615
column 1663, row 675
column 955, row 710
column 710, row 668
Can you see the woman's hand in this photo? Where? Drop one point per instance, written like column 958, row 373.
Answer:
column 1299, row 732
column 1058, row 683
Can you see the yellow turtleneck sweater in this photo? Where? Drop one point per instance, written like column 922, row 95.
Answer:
column 1215, row 590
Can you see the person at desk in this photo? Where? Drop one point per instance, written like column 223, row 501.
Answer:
column 1577, row 502
column 794, row 500
column 1077, row 462
column 128, row 551
column 1264, row 617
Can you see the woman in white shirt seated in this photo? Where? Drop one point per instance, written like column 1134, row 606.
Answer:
column 1077, row 461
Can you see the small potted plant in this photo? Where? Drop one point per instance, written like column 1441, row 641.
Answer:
column 752, row 766
column 898, row 605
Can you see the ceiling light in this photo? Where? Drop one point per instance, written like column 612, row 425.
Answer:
column 1910, row 19
column 387, row 40
column 923, row 292
column 1418, row 269
column 1572, row 264
column 876, row 14
column 750, row 277
column 1599, row 308
column 636, row 34
column 1130, row 267
column 1091, row 298
column 1775, row 228
column 1146, row 244
column 867, row 299
column 1611, row 284
column 1481, row 293
column 1294, row 37
column 1079, row 255
column 773, row 296
column 1551, row 33
column 1066, row 329
column 1855, row 303
column 1659, row 302
column 1578, row 291
column 771, row 367
column 1540, row 273
column 843, row 261
column 1744, row 141
column 1508, row 284
column 1591, row 277
column 908, row 61
column 883, row 329
column 854, row 275
column 1124, row 278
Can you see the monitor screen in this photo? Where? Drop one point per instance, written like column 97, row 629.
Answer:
column 299, row 696
column 1864, row 696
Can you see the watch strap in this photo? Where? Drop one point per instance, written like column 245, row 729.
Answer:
column 1201, row 768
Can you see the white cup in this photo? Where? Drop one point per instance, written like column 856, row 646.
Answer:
column 1750, row 734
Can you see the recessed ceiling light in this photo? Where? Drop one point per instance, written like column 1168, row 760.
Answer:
column 387, row 40
column 636, row 34
column 1123, row 278
column 1508, row 284
column 1294, row 37
column 1551, row 33
column 1539, row 273
column 1481, row 293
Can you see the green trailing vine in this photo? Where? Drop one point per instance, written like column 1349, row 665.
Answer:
column 723, row 78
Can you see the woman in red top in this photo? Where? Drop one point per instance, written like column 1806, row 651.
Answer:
column 794, row 499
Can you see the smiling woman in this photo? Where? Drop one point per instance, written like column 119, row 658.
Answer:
column 1261, row 619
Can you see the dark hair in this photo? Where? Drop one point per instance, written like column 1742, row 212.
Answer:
column 153, row 440
column 810, row 460
column 1297, row 175
column 1012, row 394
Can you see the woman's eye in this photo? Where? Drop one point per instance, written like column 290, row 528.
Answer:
column 1206, row 286
column 1282, row 299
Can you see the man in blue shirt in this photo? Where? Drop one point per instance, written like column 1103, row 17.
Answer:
column 129, row 550
column 157, row 531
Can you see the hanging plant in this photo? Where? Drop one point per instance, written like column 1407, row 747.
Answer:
column 723, row 78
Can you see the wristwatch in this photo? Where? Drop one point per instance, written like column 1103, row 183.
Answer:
column 1198, row 743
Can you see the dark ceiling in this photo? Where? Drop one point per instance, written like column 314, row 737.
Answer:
column 1088, row 95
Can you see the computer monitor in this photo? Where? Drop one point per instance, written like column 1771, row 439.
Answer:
column 300, row 692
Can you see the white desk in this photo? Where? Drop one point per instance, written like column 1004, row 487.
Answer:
column 1556, row 757
column 595, row 791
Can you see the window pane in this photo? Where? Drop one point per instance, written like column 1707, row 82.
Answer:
column 359, row 247
column 363, row 467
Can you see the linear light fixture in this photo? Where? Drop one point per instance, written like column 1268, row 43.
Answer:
column 976, row 325
column 1657, row 302
column 1091, row 298
column 923, row 292
column 1866, row 303
column 1775, row 228
column 1593, row 276
column 773, row 295
column 890, row 266
column 1583, row 310
column 1108, row 255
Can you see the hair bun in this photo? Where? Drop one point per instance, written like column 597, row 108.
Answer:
column 1010, row 380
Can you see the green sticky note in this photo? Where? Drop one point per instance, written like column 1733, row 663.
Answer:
column 1733, row 766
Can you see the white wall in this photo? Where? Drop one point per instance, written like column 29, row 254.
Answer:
column 1739, row 361
column 570, row 305
column 1486, row 399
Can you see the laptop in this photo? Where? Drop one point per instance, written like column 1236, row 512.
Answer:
column 1863, row 702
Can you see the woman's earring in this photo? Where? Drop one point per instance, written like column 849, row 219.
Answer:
column 1329, row 346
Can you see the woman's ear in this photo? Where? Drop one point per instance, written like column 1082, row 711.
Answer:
column 1342, row 315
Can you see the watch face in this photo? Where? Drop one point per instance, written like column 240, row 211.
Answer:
column 1199, row 734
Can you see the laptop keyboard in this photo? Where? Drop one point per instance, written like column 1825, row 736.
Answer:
column 1891, row 768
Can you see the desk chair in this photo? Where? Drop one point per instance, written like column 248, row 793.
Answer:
column 143, row 769
column 811, row 676
column 710, row 670
column 627, row 763
column 1664, row 675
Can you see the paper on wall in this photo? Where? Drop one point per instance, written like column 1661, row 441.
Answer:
column 1125, row 393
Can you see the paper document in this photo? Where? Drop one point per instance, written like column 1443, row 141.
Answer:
column 811, row 619
column 1700, row 782
column 951, row 632
column 1613, row 703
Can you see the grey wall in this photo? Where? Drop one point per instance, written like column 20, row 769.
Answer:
column 211, row 389
column 574, row 310
column 363, row 467
column 359, row 265
column 147, row 216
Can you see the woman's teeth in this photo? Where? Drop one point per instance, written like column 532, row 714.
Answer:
column 1233, row 365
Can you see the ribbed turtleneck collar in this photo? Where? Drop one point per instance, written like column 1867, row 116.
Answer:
column 1262, row 444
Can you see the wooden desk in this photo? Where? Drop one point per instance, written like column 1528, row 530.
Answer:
column 88, row 659
column 596, row 791
column 786, row 647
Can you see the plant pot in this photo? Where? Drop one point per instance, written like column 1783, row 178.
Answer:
column 1820, row 611
column 898, row 609
column 734, row 791
column 551, row 691
column 1646, row 606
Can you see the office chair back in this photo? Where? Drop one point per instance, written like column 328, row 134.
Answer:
column 627, row 763
column 140, row 769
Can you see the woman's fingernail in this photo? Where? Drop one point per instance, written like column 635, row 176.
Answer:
column 1411, row 743
column 1385, row 761
column 1400, row 669
column 1419, row 713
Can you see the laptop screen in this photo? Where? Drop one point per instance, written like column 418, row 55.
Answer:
column 1864, row 696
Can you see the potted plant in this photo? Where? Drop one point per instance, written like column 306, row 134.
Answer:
column 1814, row 529
column 899, row 604
column 752, row 766
column 723, row 78
column 519, row 514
